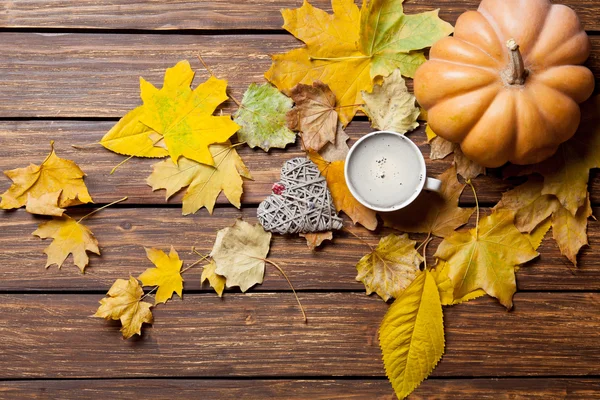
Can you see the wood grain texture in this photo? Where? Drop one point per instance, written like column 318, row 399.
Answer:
column 53, row 336
column 257, row 389
column 83, row 75
column 123, row 234
column 206, row 14
column 24, row 142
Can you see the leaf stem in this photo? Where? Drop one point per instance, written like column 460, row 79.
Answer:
column 85, row 146
column 101, row 208
column 338, row 58
column 424, row 241
column 477, row 208
column 204, row 258
column 427, row 241
column 150, row 292
column 204, row 64
column 349, row 105
column 359, row 238
column 112, row 171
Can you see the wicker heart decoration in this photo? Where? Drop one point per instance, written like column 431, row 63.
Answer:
column 301, row 201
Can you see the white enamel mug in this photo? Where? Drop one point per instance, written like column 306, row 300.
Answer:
column 385, row 171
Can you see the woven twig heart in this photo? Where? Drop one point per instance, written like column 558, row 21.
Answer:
column 301, row 201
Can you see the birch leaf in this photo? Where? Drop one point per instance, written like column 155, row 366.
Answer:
column 166, row 275
column 261, row 118
column 123, row 302
column 411, row 335
column 391, row 267
column 70, row 237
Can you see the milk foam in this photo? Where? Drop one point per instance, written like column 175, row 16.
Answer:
column 385, row 170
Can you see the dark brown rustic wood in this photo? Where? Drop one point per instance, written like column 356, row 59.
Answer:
column 256, row 389
column 207, row 14
column 22, row 142
column 53, row 336
column 83, row 75
column 123, row 233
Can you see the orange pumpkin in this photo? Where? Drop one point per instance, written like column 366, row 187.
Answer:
column 508, row 84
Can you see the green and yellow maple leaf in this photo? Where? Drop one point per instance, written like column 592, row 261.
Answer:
column 390, row 267
column 485, row 257
column 204, row 182
column 42, row 182
column 350, row 49
column 70, row 237
column 175, row 116
column 166, row 275
column 124, row 302
column 411, row 335
column 261, row 118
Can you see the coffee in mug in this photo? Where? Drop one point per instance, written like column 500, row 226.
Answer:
column 385, row 171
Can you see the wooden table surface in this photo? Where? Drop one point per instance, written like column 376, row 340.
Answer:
column 68, row 70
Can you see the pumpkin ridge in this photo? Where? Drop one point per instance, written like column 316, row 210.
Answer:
column 492, row 71
column 478, row 48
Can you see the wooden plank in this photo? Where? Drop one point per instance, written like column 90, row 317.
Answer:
column 52, row 336
column 84, row 75
column 123, row 234
column 207, row 14
column 33, row 139
column 257, row 389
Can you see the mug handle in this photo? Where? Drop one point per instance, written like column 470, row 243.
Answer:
column 433, row 185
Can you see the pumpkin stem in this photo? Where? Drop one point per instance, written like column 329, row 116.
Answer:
column 516, row 73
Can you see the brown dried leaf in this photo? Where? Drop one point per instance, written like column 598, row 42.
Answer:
column 314, row 240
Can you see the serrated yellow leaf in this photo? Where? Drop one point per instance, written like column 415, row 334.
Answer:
column 216, row 281
column 351, row 49
column 486, row 257
column 166, row 275
column 123, row 302
column 204, row 182
column 70, row 237
column 537, row 235
column 239, row 253
column 570, row 231
column 333, row 172
column 390, row 267
column 53, row 175
column 411, row 335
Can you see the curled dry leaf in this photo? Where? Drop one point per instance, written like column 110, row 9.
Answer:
column 217, row 282
column 204, row 182
column 351, row 48
column 314, row 240
column 46, row 204
column 180, row 116
column 166, row 275
column 314, row 115
column 124, row 302
column 239, row 253
column 570, row 231
column 390, row 106
column 41, row 182
column 441, row 148
column 485, row 257
column 411, row 335
column 342, row 198
column 390, row 267
column 70, row 237
column 435, row 213
column 339, row 150
column 261, row 118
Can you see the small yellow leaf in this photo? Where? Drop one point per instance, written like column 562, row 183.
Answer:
column 411, row 335
column 333, row 172
column 428, row 131
column 216, row 281
column 239, row 253
column 204, row 182
column 390, row 267
column 166, row 275
column 314, row 240
column 570, row 231
column 54, row 174
column 123, row 302
column 46, row 204
column 70, row 237
column 485, row 257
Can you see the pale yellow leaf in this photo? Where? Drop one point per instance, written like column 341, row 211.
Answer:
column 217, row 282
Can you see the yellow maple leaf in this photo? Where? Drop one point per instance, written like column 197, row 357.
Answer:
column 390, row 267
column 177, row 115
column 53, row 175
column 411, row 335
column 204, row 182
column 166, row 275
column 446, row 288
column 333, row 172
column 123, row 302
column 216, row 281
column 350, row 49
column 70, row 237
column 485, row 257
column 435, row 213
column 46, row 204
